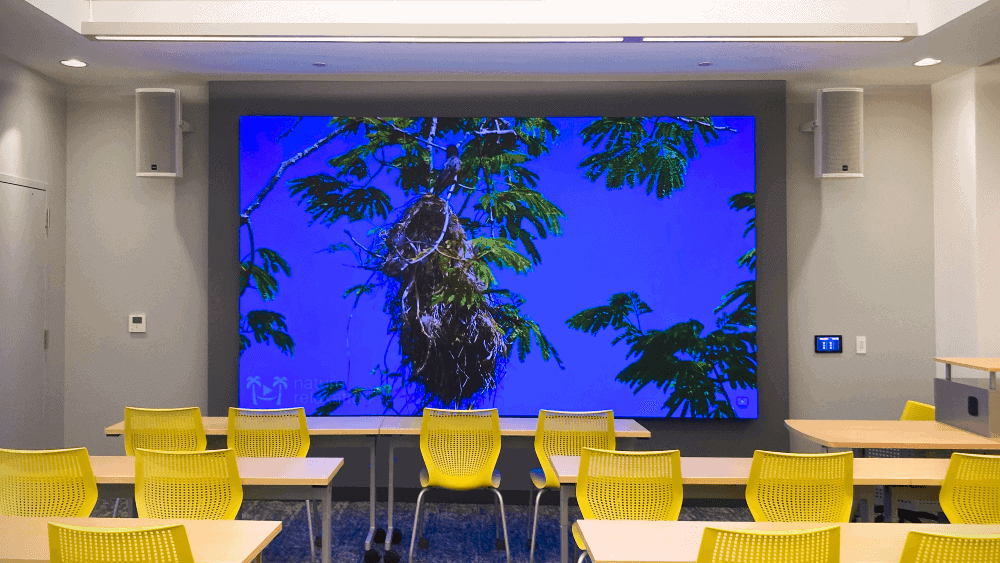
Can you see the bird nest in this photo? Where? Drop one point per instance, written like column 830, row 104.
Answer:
column 452, row 348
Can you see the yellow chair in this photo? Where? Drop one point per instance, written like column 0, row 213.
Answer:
column 196, row 485
column 271, row 433
column 460, row 449
column 787, row 487
column 628, row 486
column 917, row 411
column 819, row 545
column 154, row 544
column 168, row 430
column 928, row 547
column 970, row 492
column 47, row 483
column 565, row 433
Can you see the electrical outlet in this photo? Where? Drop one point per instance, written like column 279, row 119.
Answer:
column 862, row 346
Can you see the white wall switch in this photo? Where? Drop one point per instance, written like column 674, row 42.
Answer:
column 137, row 322
column 862, row 345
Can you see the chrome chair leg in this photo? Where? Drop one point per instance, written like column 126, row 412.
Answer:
column 115, row 511
column 503, row 518
column 582, row 557
column 312, row 538
column 534, row 528
column 416, row 521
column 496, row 518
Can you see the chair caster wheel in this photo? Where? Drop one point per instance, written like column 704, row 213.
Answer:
column 379, row 536
column 391, row 557
column 372, row 556
column 318, row 542
column 423, row 543
column 397, row 537
column 501, row 546
column 527, row 544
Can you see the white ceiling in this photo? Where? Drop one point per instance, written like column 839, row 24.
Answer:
column 38, row 40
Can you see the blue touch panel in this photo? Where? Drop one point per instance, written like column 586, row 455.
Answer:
column 584, row 263
column 829, row 344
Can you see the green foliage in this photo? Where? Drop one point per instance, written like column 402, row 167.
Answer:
column 328, row 199
column 521, row 330
column 266, row 327
column 512, row 208
column 499, row 252
column 358, row 291
column 636, row 151
column 261, row 276
column 617, row 314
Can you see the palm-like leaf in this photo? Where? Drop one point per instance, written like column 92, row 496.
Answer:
column 328, row 199
column 266, row 327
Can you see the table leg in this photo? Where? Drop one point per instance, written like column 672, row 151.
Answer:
column 371, row 494
column 565, row 492
column 326, row 546
column 392, row 470
column 888, row 506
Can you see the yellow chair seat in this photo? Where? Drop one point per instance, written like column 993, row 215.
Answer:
column 538, row 478
column 495, row 478
column 154, row 544
column 578, row 536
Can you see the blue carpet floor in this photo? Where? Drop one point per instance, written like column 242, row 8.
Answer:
column 458, row 533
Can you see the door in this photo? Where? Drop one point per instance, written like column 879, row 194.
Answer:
column 22, row 315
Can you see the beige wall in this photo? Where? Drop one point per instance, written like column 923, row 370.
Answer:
column 33, row 147
column 133, row 244
column 861, row 262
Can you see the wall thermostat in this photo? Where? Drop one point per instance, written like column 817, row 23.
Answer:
column 137, row 322
column 829, row 344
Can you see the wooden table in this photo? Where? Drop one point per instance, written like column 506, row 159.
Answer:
column 404, row 431
column 342, row 431
column 678, row 542
column 25, row 540
column 892, row 434
column 726, row 478
column 273, row 478
column 991, row 365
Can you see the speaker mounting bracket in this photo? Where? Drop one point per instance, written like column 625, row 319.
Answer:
column 809, row 127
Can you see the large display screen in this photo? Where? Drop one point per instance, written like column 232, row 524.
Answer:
column 571, row 263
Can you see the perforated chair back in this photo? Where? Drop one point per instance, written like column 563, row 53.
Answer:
column 169, row 430
column 928, row 547
column 787, row 487
column 917, row 411
column 268, row 432
column 155, row 544
column 820, row 545
column 630, row 485
column 567, row 433
column 970, row 492
column 197, row 485
column 47, row 483
column 460, row 447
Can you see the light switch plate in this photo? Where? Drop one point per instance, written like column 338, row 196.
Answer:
column 862, row 347
column 137, row 322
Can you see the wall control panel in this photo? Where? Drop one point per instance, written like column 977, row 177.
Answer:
column 137, row 322
column 829, row 344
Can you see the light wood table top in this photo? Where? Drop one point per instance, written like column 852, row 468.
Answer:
column 736, row 470
column 318, row 471
column 678, row 542
column 509, row 426
column 212, row 541
column 900, row 434
column 983, row 364
column 318, row 426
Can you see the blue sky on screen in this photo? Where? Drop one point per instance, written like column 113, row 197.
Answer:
column 679, row 254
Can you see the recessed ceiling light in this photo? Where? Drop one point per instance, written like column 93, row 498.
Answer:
column 324, row 39
column 927, row 62
column 756, row 39
column 705, row 63
column 74, row 63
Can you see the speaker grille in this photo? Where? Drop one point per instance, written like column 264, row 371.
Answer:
column 157, row 131
column 839, row 141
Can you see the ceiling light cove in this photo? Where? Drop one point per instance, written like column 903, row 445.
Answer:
column 74, row 63
column 927, row 62
column 268, row 39
column 818, row 39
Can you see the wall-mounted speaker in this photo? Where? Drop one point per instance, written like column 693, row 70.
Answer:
column 839, row 133
column 158, row 129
